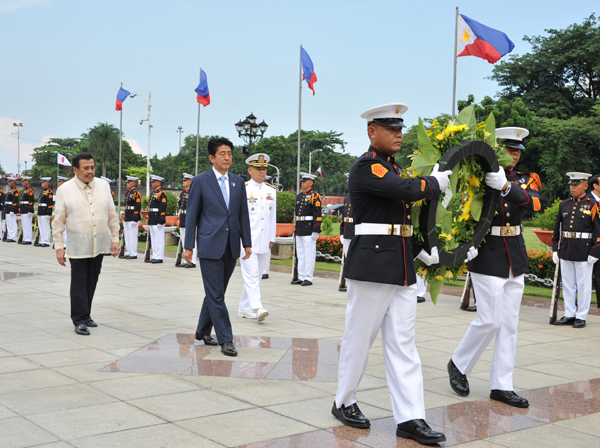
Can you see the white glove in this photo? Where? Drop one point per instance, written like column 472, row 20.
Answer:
column 496, row 180
column 592, row 260
column 472, row 253
column 12, row 213
column 434, row 258
column 442, row 177
column 555, row 258
column 314, row 236
column 30, row 214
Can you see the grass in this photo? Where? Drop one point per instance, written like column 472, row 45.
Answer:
column 319, row 265
column 142, row 246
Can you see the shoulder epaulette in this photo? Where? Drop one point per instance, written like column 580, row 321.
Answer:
column 370, row 154
column 270, row 185
column 534, row 179
column 246, row 183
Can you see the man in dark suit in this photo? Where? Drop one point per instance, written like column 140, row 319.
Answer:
column 594, row 195
column 217, row 214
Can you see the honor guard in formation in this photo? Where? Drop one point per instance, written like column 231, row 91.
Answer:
column 2, row 198
column 576, row 245
column 497, row 272
column 182, row 205
column 381, row 278
column 112, row 193
column 11, row 208
column 594, row 183
column 262, row 209
column 308, row 226
column 157, row 210
column 26, row 209
column 45, row 209
column 346, row 234
column 133, row 206
column 61, row 180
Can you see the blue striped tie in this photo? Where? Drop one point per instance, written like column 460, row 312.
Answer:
column 224, row 190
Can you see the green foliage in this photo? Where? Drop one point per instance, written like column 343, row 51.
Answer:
column 145, row 202
column 286, row 207
column 171, row 202
column 331, row 245
column 327, row 225
column 540, row 264
column 104, row 142
column 136, row 171
column 547, row 220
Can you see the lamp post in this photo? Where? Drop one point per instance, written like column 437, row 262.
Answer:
column 277, row 181
column 179, row 131
column 310, row 160
column 250, row 131
column 18, row 126
column 149, row 103
column 25, row 166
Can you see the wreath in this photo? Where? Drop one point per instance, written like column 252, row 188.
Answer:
column 463, row 214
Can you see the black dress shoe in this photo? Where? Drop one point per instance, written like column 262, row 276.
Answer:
column 190, row 266
column 265, row 276
column 92, row 324
column 471, row 309
column 458, row 381
column 350, row 416
column 11, row 241
column 44, row 245
column 344, row 289
column 579, row 323
column 510, row 398
column 148, row 261
column 206, row 338
column 82, row 329
column 420, row 299
column 305, row 283
column 156, row 261
column 26, row 243
column 19, row 242
column 37, row 244
column 293, row 282
column 564, row 321
column 228, row 349
column 420, row 431
column 129, row 257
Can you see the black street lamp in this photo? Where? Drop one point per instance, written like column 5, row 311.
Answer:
column 250, row 131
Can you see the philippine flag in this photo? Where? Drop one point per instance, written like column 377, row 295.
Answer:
column 308, row 70
column 203, row 96
column 122, row 95
column 476, row 39
column 62, row 160
column 320, row 173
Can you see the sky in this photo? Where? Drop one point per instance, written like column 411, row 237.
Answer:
column 64, row 61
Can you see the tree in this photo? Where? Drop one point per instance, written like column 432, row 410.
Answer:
column 104, row 142
column 44, row 157
column 560, row 78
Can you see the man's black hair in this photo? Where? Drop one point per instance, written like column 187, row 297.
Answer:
column 214, row 143
column 594, row 180
column 82, row 156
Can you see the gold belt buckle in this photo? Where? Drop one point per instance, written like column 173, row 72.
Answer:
column 405, row 230
column 570, row 234
column 508, row 231
column 391, row 229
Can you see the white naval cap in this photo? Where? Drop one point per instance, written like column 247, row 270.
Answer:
column 259, row 160
column 25, row 178
column 63, row 178
column 131, row 178
column 11, row 178
column 45, row 179
column 106, row 179
column 513, row 136
column 307, row 176
column 154, row 178
column 575, row 177
column 386, row 115
column 187, row 176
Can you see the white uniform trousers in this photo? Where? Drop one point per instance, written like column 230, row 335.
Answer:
column 498, row 305
column 27, row 227
column 345, row 245
column 157, row 233
column 12, row 227
column 306, row 248
column 252, row 270
column 393, row 309
column 267, row 265
column 421, row 286
column 44, row 226
column 194, row 254
column 130, row 229
column 576, row 279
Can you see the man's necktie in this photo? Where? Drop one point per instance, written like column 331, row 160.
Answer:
column 224, row 190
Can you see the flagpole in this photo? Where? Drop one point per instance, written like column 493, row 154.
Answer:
column 198, row 128
column 299, row 123
column 120, row 150
column 455, row 59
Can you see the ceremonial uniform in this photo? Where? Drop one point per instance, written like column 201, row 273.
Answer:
column 11, row 208
column 45, row 209
column 182, row 205
column 307, row 229
column 157, row 210
column 2, row 198
column 346, row 235
column 596, row 268
column 62, row 180
column 133, row 206
column 26, row 202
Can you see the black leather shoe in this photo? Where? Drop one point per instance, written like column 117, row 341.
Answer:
column 228, row 349
column 510, row 398
column 564, row 321
column 344, row 289
column 458, row 381
column 350, row 416
column 579, row 323
column 190, row 266
column 293, row 282
column 206, row 338
column 129, row 257
column 82, row 329
column 305, row 283
column 156, row 261
column 420, row 431
column 11, row 241
column 37, row 244
column 92, row 324
column 148, row 261
column 420, row 299
column 265, row 276
column 44, row 245
column 471, row 309
column 26, row 243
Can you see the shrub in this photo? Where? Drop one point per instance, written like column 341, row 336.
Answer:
column 286, row 206
column 541, row 265
column 330, row 245
column 171, row 203
column 547, row 219
column 145, row 202
column 327, row 225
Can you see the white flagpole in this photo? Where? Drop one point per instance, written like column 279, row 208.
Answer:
column 299, row 124
column 455, row 59
column 198, row 128
column 120, row 151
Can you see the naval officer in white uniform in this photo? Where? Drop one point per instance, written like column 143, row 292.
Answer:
column 262, row 208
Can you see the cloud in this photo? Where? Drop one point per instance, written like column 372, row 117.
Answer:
column 135, row 146
column 11, row 5
column 11, row 151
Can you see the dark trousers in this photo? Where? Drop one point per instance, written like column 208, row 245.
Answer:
column 596, row 284
column 215, row 276
column 84, row 277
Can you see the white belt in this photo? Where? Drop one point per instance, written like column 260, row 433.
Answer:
column 8, row 203
column 24, row 202
column 577, row 235
column 42, row 205
column 348, row 220
column 152, row 209
column 130, row 207
column 304, row 218
column 402, row 230
column 505, row 230
column 182, row 212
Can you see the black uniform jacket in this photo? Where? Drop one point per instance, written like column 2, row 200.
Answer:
column 26, row 201
column 380, row 195
column 182, row 204
column 499, row 255
column 579, row 215
column 133, row 198
column 308, row 204
column 158, row 201
column 47, row 198
column 2, row 198
column 11, row 202
column 347, row 226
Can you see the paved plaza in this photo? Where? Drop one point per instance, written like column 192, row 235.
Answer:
column 141, row 379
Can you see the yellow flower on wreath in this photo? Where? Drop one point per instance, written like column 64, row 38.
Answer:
column 422, row 270
column 448, row 274
column 440, row 137
column 439, row 277
column 474, row 181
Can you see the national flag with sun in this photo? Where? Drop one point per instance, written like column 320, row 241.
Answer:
column 476, row 39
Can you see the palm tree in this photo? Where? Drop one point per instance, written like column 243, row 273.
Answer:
column 104, row 141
